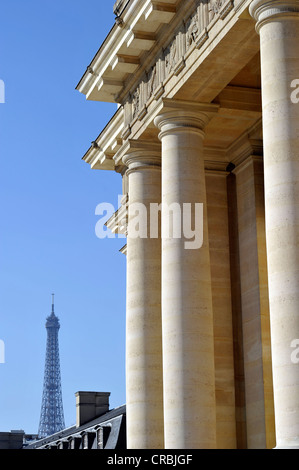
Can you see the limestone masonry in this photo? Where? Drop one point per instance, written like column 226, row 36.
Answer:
column 208, row 112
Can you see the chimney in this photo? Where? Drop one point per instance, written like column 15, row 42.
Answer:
column 90, row 405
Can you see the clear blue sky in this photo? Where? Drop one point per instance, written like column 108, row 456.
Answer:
column 47, row 219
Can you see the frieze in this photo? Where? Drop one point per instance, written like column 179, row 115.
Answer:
column 226, row 8
column 214, row 8
column 193, row 34
column 170, row 56
column 136, row 102
column 192, row 29
column 152, row 80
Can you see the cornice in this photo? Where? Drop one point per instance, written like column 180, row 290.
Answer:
column 131, row 120
column 150, row 46
column 119, row 7
column 100, row 153
column 120, row 53
column 108, row 150
column 123, row 250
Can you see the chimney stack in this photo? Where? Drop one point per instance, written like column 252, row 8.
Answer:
column 90, row 405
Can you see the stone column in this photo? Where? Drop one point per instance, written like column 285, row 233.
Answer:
column 217, row 209
column 187, row 317
column 144, row 382
column 278, row 26
column 254, row 303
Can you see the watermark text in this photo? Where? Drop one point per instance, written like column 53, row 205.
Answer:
column 144, row 221
column 295, row 353
column 295, row 93
column 2, row 91
column 2, row 352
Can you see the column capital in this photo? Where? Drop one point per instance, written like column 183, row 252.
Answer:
column 142, row 155
column 182, row 115
column 264, row 11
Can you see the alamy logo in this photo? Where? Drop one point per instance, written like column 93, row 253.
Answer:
column 295, row 93
column 2, row 92
column 295, row 353
column 179, row 222
column 2, row 352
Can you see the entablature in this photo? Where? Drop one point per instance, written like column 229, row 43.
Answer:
column 207, row 43
column 150, row 41
column 134, row 34
column 232, row 134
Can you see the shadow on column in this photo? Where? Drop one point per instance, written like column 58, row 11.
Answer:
column 236, row 313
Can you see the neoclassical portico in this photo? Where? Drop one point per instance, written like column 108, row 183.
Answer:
column 205, row 120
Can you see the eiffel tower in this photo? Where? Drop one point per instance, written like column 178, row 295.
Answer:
column 52, row 416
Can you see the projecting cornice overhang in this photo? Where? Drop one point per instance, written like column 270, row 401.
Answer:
column 101, row 152
column 135, row 32
column 146, row 30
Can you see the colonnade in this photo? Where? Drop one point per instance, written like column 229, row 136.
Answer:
column 170, row 346
column 278, row 26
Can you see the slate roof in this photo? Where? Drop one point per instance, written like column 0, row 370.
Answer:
column 114, row 423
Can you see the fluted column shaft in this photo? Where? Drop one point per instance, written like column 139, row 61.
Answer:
column 278, row 26
column 144, row 400
column 187, row 318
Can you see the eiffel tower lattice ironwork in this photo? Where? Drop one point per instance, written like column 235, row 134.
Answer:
column 52, row 416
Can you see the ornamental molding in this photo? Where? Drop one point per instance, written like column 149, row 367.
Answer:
column 190, row 35
column 143, row 37
column 264, row 11
column 226, row 9
column 147, row 92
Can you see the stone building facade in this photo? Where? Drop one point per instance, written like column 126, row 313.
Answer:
column 208, row 114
